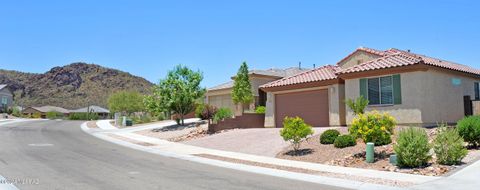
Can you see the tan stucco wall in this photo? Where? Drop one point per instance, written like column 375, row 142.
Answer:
column 428, row 97
column 336, row 96
column 257, row 82
column 222, row 98
column 359, row 55
column 270, row 110
column 221, row 101
column 335, row 107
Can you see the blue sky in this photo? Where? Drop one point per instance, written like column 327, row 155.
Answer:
column 148, row 38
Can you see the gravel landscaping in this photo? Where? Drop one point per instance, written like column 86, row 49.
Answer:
column 313, row 172
column 355, row 156
column 177, row 133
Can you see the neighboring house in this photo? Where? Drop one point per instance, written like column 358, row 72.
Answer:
column 413, row 88
column 220, row 96
column 102, row 112
column 6, row 97
column 42, row 111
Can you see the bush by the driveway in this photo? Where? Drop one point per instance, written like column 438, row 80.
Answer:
column 295, row 130
column 373, row 127
column 329, row 136
column 412, row 148
column 449, row 146
column 343, row 141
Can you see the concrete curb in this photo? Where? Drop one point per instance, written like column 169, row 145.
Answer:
column 247, row 168
column 105, row 124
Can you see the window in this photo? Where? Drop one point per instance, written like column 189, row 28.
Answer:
column 477, row 91
column 380, row 90
column 4, row 100
column 385, row 90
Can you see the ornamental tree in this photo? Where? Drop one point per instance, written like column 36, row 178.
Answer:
column 242, row 88
column 177, row 93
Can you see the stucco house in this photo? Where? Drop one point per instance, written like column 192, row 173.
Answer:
column 6, row 97
column 414, row 88
column 42, row 111
column 102, row 112
column 220, row 96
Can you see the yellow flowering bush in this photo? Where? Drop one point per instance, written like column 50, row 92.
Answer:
column 373, row 127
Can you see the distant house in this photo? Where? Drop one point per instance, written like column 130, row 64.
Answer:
column 42, row 111
column 220, row 96
column 102, row 112
column 6, row 97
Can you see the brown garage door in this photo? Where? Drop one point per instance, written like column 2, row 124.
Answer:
column 312, row 106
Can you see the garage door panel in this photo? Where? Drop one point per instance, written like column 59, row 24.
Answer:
column 312, row 106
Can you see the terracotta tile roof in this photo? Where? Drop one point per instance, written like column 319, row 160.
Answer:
column 442, row 63
column 389, row 61
column 397, row 58
column 319, row 74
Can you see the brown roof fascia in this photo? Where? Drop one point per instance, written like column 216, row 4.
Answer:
column 386, row 71
column 304, row 85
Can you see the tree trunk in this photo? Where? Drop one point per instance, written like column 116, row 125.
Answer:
column 181, row 118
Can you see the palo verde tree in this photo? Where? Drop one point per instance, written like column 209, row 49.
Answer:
column 177, row 93
column 126, row 102
column 242, row 88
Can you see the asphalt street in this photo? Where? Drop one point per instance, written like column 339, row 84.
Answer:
column 59, row 155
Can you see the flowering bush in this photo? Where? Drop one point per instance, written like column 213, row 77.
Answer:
column 373, row 127
column 295, row 130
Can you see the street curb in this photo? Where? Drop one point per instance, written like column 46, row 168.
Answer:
column 247, row 168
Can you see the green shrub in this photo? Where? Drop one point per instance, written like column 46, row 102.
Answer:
column 161, row 116
column 222, row 114
column 358, row 105
column 329, row 136
column 295, row 130
column 343, row 141
column 412, row 148
column 16, row 112
column 448, row 146
column 469, row 129
column 373, row 127
column 144, row 118
column 83, row 116
column 260, row 109
column 54, row 115
column 199, row 110
column 36, row 115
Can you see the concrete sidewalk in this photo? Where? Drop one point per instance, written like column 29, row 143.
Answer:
column 465, row 179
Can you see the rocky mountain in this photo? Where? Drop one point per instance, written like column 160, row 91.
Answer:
column 71, row 86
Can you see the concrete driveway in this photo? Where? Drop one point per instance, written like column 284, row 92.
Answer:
column 262, row 141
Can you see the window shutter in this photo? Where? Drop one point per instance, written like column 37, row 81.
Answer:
column 397, row 90
column 363, row 88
